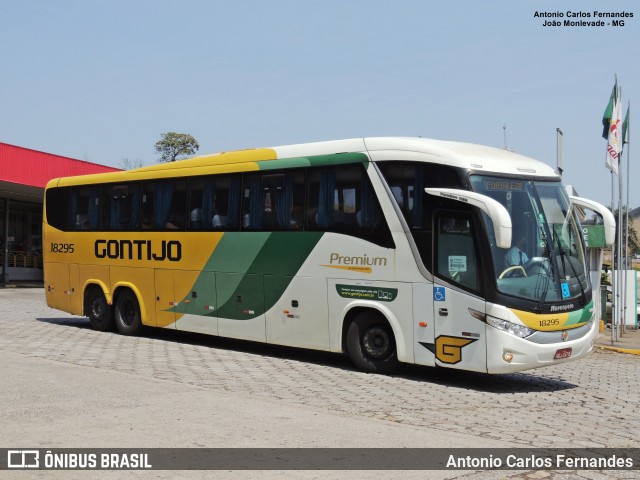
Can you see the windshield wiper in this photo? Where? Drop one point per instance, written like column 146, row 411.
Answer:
column 564, row 268
column 542, row 224
column 552, row 266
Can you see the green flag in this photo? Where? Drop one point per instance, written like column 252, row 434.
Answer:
column 606, row 118
column 625, row 126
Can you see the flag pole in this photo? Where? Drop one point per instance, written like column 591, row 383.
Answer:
column 613, row 270
column 610, row 122
column 621, row 296
column 621, row 305
column 626, row 250
column 625, row 138
column 617, row 147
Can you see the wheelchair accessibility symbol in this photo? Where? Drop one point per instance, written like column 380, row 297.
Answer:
column 439, row 294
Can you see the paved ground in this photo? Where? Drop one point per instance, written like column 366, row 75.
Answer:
column 65, row 385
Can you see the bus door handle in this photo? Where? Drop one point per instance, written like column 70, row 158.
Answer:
column 443, row 312
column 239, row 299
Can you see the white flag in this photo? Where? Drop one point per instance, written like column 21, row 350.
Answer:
column 614, row 144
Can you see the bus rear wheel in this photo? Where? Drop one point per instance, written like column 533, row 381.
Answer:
column 128, row 320
column 99, row 311
column 371, row 344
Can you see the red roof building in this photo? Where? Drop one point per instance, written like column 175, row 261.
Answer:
column 23, row 175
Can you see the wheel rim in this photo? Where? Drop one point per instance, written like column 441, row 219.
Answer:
column 128, row 313
column 376, row 343
column 98, row 308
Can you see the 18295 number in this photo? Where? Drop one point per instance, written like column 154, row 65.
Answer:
column 549, row 323
column 62, row 247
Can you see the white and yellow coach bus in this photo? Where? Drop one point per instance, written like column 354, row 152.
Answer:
column 388, row 249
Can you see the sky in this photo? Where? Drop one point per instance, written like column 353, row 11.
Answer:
column 102, row 80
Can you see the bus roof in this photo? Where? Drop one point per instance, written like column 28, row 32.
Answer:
column 478, row 158
column 469, row 156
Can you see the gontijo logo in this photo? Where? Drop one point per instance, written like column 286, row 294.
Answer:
column 139, row 249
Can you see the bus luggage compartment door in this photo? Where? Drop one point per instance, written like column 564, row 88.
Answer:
column 165, row 298
column 57, row 286
column 197, row 307
column 241, row 306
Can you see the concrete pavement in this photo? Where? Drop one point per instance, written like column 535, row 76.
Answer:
column 65, row 385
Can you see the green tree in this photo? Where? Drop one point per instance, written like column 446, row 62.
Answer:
column 174, row 146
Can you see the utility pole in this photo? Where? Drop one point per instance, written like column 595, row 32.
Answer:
column 559, row 160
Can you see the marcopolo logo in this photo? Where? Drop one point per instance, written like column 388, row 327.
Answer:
column 562, row 308
column 139, row 250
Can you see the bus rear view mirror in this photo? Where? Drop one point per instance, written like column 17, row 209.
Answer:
column 497, row 213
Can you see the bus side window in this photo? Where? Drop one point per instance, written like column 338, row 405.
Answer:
column 341, row 199
column 164, row 204
column 58, row 207
column 214, row 202
column 274, row 201
column 84, row 207
column 120, row 206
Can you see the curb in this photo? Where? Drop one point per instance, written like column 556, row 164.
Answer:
column 631, row 351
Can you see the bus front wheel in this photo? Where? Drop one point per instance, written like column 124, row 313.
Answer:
column 127, row 311
column 99, row 311
column 371, row 344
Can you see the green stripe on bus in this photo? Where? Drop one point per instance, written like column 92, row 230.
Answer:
column 279, row 260
column 313, row 161
column 580, row 316
column 246, row 263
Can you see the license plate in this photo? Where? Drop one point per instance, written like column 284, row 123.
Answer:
column 562, row 353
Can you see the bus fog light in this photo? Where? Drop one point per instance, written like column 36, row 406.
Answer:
column 507, row 357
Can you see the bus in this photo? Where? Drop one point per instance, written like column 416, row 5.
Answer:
column 390, row 250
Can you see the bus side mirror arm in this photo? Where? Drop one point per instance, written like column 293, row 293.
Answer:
column 494, row 209
column 607, row 217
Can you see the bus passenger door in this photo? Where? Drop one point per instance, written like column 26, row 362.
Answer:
column 459, row 335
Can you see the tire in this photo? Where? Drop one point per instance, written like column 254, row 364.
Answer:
column 127, row 313
column 99, row 311
column 371, row 344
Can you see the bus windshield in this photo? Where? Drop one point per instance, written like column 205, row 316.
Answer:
column 546, row 261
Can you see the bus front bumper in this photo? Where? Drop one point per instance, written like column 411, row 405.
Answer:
column 508, row 353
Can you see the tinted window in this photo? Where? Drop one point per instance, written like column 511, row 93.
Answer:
column 164, row 204
column 58, row 207
column 274, row 201
column 407, row 181
column 85, row 207
column 120, row 206
column 214, row 202
column 342, row 200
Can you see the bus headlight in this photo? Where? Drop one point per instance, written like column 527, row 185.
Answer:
column 517, row 330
